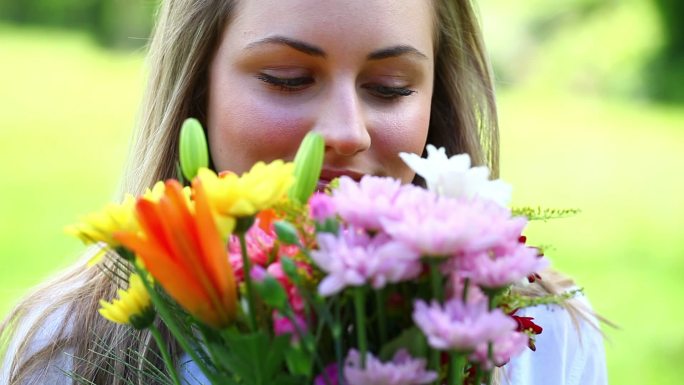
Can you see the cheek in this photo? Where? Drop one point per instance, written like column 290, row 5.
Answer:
column 404, row 130
column 244, row 129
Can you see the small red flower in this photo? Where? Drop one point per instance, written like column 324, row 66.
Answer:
column 525, row 324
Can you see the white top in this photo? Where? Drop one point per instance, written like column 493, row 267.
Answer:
column 563, row 356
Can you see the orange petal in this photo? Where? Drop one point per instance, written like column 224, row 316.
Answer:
column 175, row 280
column 266, row 219
column 184, row 239
column 214, row 251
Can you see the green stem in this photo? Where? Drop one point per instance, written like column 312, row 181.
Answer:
column 337, row 337
column 246, row 268
column 434, row 361
column 170, row 322
column 382, row 316
column 479, row 375
column 436, row 280
column 457, row 363
column 360, row 308
column 466, row 287
column 165, row 354
column 490, row 356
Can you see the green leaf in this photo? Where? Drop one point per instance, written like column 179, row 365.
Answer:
column 299, row 361
column 255, row 359
column 410, row 339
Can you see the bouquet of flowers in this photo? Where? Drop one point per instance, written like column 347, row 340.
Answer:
column 277, row 277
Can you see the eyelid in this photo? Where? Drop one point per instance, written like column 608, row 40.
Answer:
column 287, row 84
column 388, row 92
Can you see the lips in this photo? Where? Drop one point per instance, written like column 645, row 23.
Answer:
column 328, row 174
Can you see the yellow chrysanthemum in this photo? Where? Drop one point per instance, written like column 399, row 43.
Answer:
column 258, row 189
column 133, row 307
column 157, row 192
column 101, row 225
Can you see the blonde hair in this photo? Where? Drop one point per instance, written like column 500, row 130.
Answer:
column 187, row 33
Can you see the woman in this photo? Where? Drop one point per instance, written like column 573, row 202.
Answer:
column 373, row 77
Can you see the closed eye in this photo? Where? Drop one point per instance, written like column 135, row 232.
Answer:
column 386, row 92
column 286, row 84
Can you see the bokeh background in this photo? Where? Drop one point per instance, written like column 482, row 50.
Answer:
column 591, row 98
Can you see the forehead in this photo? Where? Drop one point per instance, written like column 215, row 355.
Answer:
column 341, row 24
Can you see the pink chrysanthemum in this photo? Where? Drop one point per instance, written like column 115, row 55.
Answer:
column 402, row 370
column 354, row 259
column 460, row 327
column 441, row 226
column 321, row 206
column 363, row 204
column 504, row 348
column 494, row 271
column 457, row 286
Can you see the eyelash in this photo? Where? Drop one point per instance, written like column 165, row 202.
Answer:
column 286, row 84
column 297, row 84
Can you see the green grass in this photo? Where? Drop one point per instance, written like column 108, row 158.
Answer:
column 621, row 165
column 68, row 109
column 67, row 112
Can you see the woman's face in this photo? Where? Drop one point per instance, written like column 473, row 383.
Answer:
column 359, row 72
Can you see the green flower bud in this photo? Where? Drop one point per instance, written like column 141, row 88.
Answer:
column 308, row 164
column 272, row 292
column 286, row 232
column 192, row 148
column 290, row 269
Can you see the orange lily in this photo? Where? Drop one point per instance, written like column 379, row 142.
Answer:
column 183, row 251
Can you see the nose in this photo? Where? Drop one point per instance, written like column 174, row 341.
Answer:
column 342, row 122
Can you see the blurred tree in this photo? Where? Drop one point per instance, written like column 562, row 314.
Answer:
column 666, row 73
column 113, row 23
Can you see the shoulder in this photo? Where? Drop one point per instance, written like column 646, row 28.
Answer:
column 569, row 350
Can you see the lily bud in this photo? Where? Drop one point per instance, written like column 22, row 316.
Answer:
column 308, row 163
column 192, row 148
column 286, row 233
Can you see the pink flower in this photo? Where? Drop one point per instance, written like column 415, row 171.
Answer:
column 494, row 271
column 402, row 370
column 259, row 249
column 504, row 347
column 353, row 258
column 294, row 298
column 328, row 377
column 321, row 206
column 282, row 325
column 442, row 227
column 456, row 286
column 363, row 204
column 460, row 327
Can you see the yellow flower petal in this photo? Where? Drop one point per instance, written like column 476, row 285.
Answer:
column 133, row 303
column 100, row 226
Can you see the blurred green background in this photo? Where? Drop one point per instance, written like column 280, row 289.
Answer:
column 591, row 97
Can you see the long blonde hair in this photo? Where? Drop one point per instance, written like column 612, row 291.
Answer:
column 187, row 33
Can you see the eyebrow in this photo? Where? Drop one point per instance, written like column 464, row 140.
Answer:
column 299, row 45
column 312, row 50
column 397, row 50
